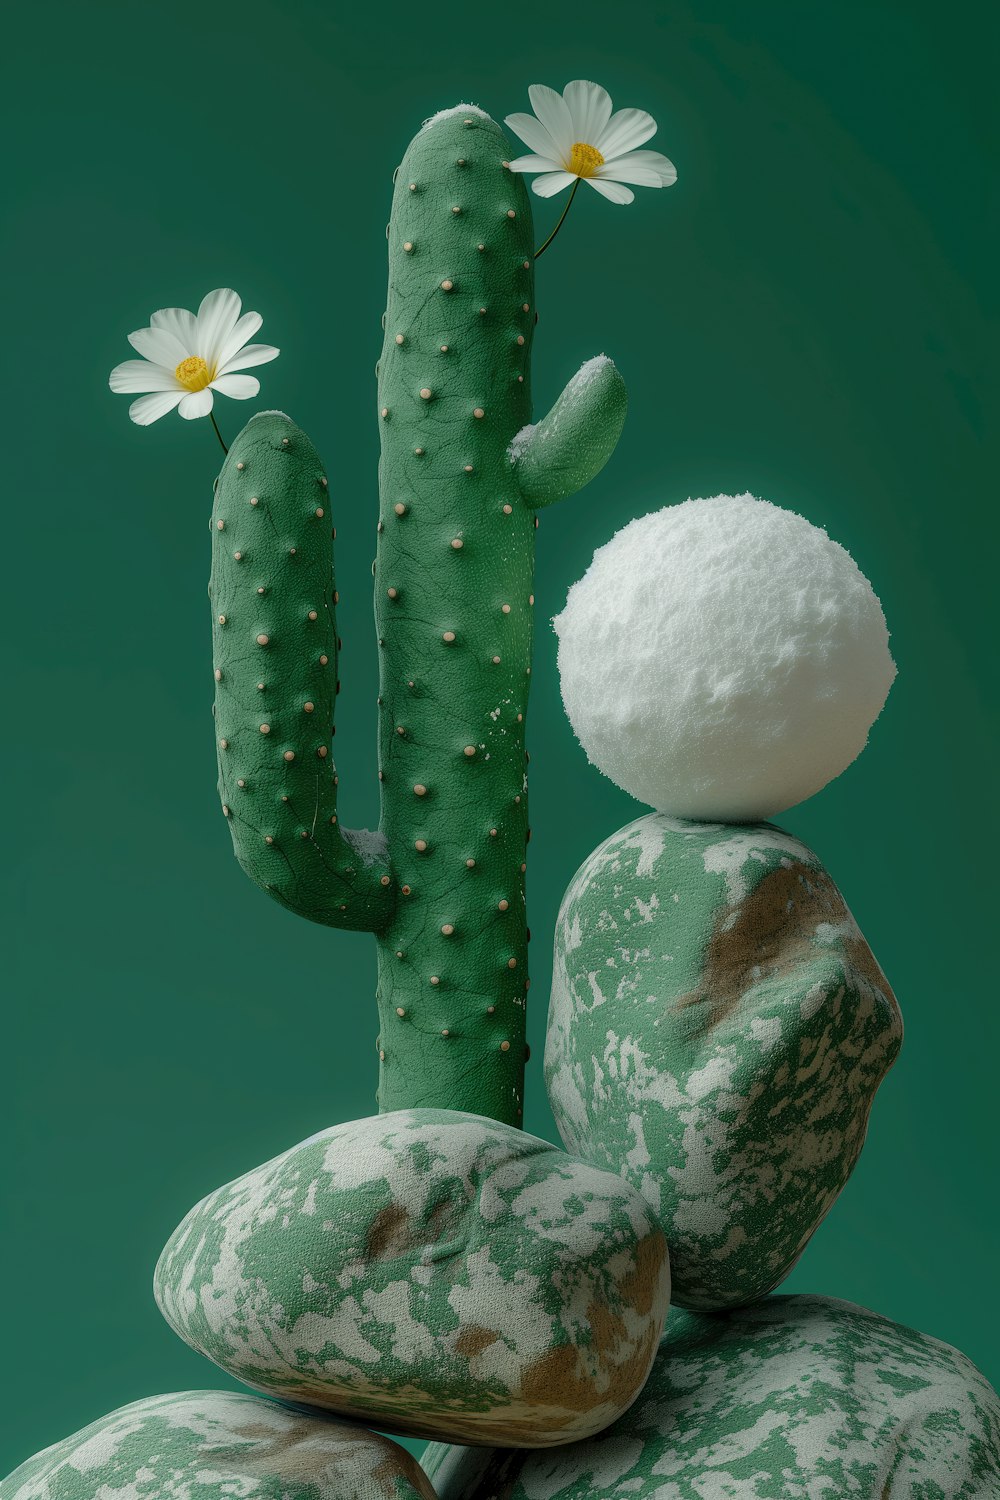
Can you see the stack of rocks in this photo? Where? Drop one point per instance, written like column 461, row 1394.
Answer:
column 717, row 1030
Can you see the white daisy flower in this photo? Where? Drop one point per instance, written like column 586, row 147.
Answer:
column 574, row 135
column 187, row 356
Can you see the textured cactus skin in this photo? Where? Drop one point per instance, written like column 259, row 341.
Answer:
column 461, row 475
column 457, row 624
column 575, row 440
column 272, row 570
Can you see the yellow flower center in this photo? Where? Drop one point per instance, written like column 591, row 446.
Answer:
column 193, row 372
column 584, row 160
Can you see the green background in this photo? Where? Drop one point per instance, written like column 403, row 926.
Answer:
column 802, row 315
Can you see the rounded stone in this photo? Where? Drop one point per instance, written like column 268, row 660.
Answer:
column 429, row 1271
column 797, row 1397
column 208, row 1445
column 717, row 1030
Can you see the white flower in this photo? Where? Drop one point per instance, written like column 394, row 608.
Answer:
column 185, row 357
column 575, row 135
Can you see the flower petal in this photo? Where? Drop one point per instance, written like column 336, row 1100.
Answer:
column 532, row 133
column 662, row 165
column 150, row 408
column 246, row 358
column 590, row 109
column 137, row 375
column 240, row 387
column 197, row 404
column 217, row 317
column 157, row 344
column 181, row 323
column 625, row 170
column 553, row 111
column 243, row 329
column 613, row 191
column 534, row 164
column 551, row 183
column 626, row 129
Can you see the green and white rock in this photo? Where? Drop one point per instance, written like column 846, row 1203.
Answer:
column 432, row 1272
column 203, row 1445
column 717, row 1030
column 797, row 1398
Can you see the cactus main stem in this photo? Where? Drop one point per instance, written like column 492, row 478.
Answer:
column 453, row 605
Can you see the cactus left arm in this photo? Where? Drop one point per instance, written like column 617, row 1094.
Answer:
column 561, row 453
column 275, row 653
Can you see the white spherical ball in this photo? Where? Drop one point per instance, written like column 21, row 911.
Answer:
column 723, row 659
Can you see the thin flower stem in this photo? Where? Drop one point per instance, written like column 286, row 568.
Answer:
column 562, row 216
column 217, row 432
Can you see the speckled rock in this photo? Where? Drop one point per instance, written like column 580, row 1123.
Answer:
column 432, row 1272
column 203, row 1445
column 717, row 1030
column 797, row 1398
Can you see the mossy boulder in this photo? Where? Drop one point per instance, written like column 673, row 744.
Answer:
column 431, row 1272
column 207, row 1445
column 717, row 1030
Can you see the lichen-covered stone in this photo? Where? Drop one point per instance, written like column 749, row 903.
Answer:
column 717, row 1030
column 204, row 1445
column 797, row 1398
column 429, row 1271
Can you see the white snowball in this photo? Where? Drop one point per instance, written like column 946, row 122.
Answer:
column 723, row 659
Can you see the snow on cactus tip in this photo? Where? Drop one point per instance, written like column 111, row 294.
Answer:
column 723, row 659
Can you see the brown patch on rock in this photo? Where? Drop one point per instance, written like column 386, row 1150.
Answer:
column 773, row 929
column 630, row 1376
column 394, row 1232
column 263, row 1433
column 269, row 1445
column 294, row 1454
column 390, row 1234
column 516, row 1423
column 638, row 1286
column 555, row 1379
column 607, row 1327
column 508, row 1426
column 560, row 1379
column 474, row 1339
column 400, row 1465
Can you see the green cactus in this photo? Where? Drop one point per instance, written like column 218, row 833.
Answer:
column 461, row 476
